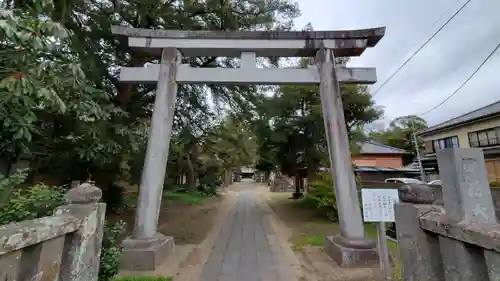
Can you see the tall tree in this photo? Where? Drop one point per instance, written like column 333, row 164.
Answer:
column 292, row 127
column 102, row 149
column 49, row 108
column 400, row 134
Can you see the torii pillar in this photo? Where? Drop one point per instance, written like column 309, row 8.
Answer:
column 146, row 248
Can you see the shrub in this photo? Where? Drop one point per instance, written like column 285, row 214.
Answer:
column 18, row 204
column 207, row 190
column 322, row 195
column 209, row 183
column 37, row 201
column 8, row 184
column 111, row 250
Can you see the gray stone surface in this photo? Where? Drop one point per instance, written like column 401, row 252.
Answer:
column 247, row 248
column 84, row 193
column 344, row 250
column 349, row 256
column 65, row 246
column 438, row 198
column 466, row 191
column 459, row 241
column 467, row 200
column 82, row 248
column 146, row 254
column 155, row 162
column 147, row 248
column 345, row 43
column 373, row 35
column 20, row 235
column 419, row 250
column 417, row 193
column 485, row 235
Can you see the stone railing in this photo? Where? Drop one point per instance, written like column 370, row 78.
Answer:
column 65, row 246
column 457, row 238
column 436, row 189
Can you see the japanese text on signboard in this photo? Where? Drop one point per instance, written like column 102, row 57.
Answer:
column 378, row 204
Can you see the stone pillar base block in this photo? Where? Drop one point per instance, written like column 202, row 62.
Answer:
column 351, row 253
column 146, row 254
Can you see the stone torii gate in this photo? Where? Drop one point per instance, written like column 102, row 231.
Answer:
column 147, row 248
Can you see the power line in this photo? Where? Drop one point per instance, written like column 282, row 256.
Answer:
column 465, row 82
column 445, row 13
column 422, row 172
column 421, row 47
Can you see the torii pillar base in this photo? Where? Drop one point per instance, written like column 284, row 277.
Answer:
column 351, row 253
column 146, row 254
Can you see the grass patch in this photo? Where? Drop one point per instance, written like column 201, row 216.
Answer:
column 185, row 197
column 304, row 203
column 307, row 239
column 371, row 231
column 302, row 216
column 143, row 278
column 299, row 242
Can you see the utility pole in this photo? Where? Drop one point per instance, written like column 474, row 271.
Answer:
column 417, row 149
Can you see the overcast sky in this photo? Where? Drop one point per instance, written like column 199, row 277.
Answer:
column 438, row 69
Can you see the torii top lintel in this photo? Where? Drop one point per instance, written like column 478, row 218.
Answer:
column 345, row 43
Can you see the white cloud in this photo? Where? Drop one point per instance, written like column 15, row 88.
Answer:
column 435, row 72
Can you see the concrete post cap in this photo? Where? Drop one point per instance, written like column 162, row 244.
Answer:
column 84, row 193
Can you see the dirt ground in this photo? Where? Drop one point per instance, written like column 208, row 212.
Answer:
column 307, row 233
column 194, row 227
column 188, row 223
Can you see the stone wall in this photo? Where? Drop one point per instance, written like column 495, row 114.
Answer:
column 450, row 233
column 495, row 197
column 65, row 246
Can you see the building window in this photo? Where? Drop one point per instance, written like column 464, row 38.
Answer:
column 448, row 142
column 489, row 137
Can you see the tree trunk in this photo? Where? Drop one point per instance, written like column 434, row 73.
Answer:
column 190, row 173
column 297, row 180
column 230, row 176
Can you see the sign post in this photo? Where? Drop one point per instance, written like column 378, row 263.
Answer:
column 378, row 207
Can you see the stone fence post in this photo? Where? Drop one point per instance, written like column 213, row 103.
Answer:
column 417, row 247
column 458, row 241
column 467, row 201
column 82, row 249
